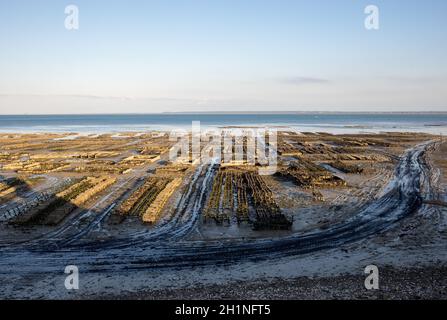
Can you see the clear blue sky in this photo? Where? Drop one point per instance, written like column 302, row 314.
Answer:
column 197, row 55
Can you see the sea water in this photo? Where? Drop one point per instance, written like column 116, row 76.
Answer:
column 435, row 123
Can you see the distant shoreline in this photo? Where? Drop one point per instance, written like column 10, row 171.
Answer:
column 237, row 113
column 335, row 122
column 311, row 112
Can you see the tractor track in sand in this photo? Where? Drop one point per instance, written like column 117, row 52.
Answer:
column 165, row 247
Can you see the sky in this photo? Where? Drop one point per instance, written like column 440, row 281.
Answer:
column 222, row 55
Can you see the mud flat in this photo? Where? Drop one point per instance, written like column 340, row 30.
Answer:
column 348, row 200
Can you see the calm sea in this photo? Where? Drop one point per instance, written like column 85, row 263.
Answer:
column 316, row 122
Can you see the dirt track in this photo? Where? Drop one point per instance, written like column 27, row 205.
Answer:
column 154, row 250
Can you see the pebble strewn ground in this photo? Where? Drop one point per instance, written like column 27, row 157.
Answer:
column 425, row 283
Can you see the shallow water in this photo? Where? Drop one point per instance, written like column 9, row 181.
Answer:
column 309, row 122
